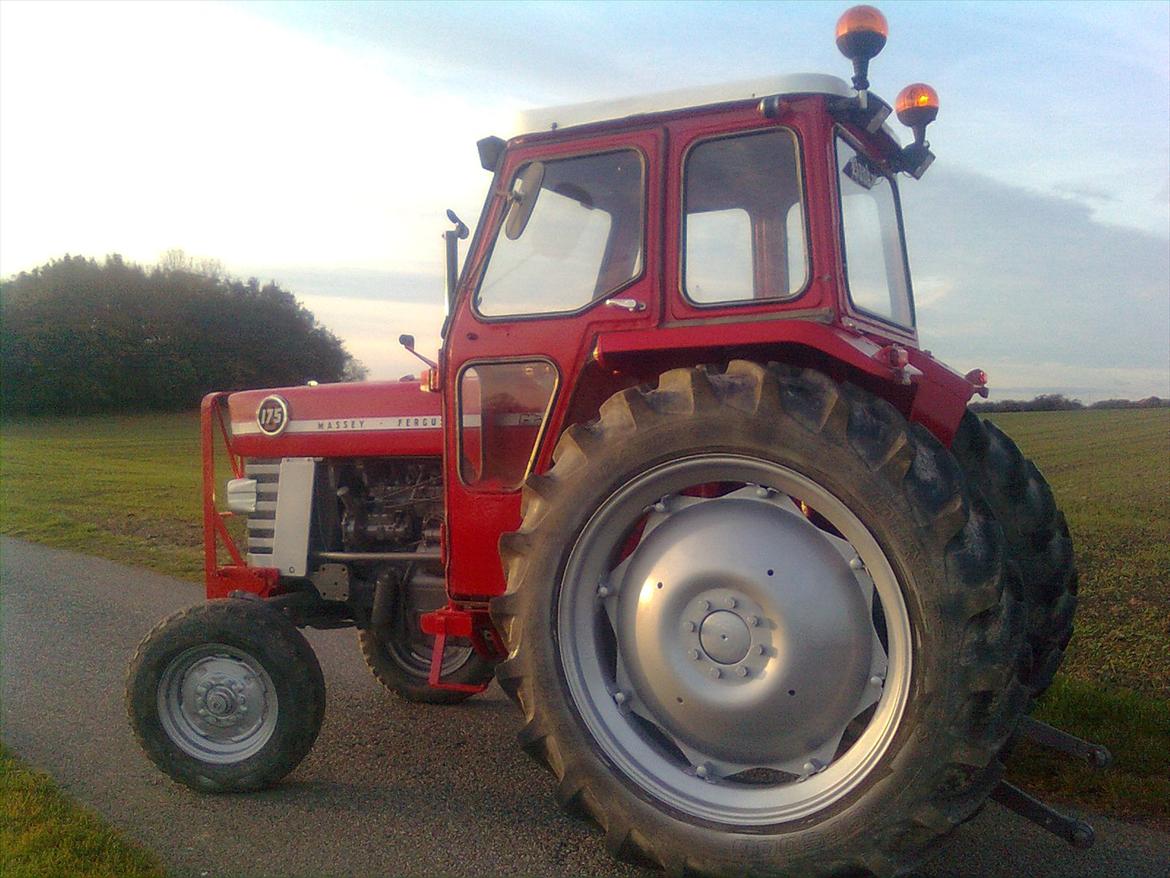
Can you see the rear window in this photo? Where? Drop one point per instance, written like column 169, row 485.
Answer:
column 744, row 228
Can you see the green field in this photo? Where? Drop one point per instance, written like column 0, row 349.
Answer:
column 126, row 488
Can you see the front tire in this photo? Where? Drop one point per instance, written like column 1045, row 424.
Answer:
column 226, row 696
column 692, row 643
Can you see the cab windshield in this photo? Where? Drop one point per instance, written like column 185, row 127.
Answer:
column 872, row 244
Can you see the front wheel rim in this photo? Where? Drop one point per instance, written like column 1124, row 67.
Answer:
column 734, row 627
column 217, row 704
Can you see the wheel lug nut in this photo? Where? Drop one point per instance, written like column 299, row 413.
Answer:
column 603, row 591
column 732, row 603
column 753, row 621
column 703, row 771
column 715, row 673
column 694, row 653
column 761, row 492
column 742, row 671
column 620, row 697
column 855, row 563
column 761, row 649
column 875, row 680
column 704, row 605
column 659, row 506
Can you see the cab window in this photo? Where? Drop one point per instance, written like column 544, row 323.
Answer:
column 871, row 236
column 572, row 234
column 744, row 229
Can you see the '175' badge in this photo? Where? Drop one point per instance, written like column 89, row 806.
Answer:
column 272, row 416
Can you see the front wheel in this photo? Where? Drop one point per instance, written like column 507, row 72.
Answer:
column 755, row 623
column 226, row 696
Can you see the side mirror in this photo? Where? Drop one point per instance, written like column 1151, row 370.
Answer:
column 524, row 193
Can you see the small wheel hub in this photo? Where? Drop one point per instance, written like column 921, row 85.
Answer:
column 217, row 703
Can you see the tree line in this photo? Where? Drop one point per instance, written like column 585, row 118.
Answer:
column 78, row 337
column 1056, row 402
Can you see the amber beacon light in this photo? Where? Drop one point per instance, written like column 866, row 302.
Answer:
column 861, row 35
column 917, row 107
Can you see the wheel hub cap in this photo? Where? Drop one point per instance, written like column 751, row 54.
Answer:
column 743, row 632
column 217, row 703
column 725, row 637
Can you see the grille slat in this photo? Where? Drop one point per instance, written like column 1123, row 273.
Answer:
column 262, row 523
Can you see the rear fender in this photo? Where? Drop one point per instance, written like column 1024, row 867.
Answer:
column 925, row 390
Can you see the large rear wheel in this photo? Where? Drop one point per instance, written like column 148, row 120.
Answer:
column 754, row 622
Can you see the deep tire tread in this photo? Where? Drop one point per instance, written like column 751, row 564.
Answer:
column 1037, row 536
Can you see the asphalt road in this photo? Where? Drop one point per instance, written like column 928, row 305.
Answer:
column 389, row 789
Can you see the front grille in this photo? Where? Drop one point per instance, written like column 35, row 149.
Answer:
column 262, row 522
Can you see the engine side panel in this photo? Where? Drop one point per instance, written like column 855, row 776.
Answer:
column 341, row 420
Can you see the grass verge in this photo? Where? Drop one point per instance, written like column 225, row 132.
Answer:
column 45, row 835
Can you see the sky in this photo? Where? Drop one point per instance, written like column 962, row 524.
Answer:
column 319, row 144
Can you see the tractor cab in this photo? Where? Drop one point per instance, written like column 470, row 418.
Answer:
column 755, row 220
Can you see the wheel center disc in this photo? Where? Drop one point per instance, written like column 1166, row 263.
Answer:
column 725, row 638
column 742, row 632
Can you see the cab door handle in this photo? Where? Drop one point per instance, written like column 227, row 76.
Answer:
column 631, row 305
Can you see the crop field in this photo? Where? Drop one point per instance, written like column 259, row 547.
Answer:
column 127, row 488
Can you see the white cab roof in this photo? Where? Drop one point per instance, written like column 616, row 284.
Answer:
column 554, row 118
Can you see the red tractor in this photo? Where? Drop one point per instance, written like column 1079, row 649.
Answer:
column 682, row 480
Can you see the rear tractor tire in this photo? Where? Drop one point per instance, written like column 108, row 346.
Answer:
column 756, row 624
column 1038, row 540
column 226, row 696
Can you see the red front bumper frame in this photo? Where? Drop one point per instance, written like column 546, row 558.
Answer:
column 221, row 580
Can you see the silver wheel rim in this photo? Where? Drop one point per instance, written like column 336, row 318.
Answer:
column 700, row 668
column 217, row 703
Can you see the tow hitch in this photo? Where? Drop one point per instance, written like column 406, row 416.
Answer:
column 1076, row 832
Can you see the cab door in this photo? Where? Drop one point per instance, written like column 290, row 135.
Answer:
column 565, row 252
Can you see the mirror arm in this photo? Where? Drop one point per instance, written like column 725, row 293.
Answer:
column 451, row 239
column 407, row 341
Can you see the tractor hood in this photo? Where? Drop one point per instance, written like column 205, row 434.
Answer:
column 337, row 420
